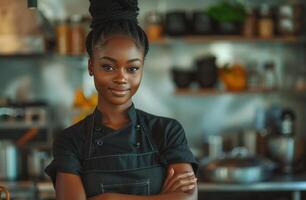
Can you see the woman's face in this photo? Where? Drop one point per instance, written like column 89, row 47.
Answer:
column 117, row 67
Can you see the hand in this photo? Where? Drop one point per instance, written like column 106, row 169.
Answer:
column 182, row 182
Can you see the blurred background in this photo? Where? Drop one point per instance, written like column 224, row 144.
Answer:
column 233, row 73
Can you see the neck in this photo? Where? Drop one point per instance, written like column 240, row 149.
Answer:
column 114, row 116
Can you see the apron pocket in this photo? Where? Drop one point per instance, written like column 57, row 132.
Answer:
column 141, row 187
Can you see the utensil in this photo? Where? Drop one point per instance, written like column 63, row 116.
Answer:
column 238, row 167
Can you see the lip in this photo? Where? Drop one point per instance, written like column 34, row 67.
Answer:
column 119, row 91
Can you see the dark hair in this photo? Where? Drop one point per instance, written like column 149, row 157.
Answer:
column 115, row 17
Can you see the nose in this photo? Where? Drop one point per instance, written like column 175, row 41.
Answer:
column 120, row 77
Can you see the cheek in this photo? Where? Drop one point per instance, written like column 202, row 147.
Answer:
column 136, row 81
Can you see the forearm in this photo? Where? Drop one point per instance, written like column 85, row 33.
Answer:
column 174, row 195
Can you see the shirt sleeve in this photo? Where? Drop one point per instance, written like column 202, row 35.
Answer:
column 176, row 148
column 65, row 156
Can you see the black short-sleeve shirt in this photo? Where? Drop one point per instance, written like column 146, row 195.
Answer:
column 168, row 134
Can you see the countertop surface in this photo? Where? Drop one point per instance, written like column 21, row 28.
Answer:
column 276, row 183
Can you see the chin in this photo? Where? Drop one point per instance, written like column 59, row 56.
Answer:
column 119, row 101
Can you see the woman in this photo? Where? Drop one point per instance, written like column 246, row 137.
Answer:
column 120, row 152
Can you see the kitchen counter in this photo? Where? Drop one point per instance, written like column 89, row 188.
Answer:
column 276, row 183
column 291, row 183
column 30, row 189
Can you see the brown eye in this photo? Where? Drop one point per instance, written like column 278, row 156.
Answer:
column 108, row 68
column 133, row 69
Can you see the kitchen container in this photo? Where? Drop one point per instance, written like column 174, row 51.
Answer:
column 288, row 151
column 176, row 23
column 238, row 167
column 77, row 37
column 63, row 34
column 9, row 160
column 266, row 24
column 201, row 23
column 207, row 72
column 37, row 161
column 5, row 191
column 182, row 77
column 154, row 26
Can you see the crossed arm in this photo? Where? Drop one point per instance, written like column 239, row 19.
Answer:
column 180, row 184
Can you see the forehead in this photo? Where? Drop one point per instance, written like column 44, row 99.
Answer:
column 118, row 47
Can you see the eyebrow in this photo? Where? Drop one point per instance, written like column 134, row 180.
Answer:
column 115, row 61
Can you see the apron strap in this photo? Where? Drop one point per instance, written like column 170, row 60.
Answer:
column 145, row 131
column 89, row 133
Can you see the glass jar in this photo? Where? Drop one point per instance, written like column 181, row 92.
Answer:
column 154, row 28
column 62, row 36
column 287, row 20
column 77, row 36
column 270, row 78
column 249, row 28
column 265, row 22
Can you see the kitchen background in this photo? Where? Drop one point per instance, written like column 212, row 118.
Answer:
column 230, row 84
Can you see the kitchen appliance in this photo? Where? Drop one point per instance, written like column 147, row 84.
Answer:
column 237, row 167
column 285, row 147
column 288, row 151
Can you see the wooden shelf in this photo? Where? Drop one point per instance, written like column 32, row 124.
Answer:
column 211, row 92
column 226, row 38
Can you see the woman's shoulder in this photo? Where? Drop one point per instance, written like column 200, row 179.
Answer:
column 75, row 131
column 71, row 140
column 153, row 120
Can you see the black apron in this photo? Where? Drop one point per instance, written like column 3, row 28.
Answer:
column 140, row 172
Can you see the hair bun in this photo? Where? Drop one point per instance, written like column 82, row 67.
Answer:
column 103, row 11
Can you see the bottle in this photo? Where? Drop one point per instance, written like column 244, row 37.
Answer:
column 62, row 36
column 154, row 27
column 249, row 27
column 265, row 22
column 270, row 79
column 77, row 36
column 287, row 123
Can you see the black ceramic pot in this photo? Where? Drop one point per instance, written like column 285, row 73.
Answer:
column 182, row 77
column 207, row 72
column 176, row 23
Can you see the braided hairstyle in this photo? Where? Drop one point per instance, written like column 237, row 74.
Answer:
column 115, row 17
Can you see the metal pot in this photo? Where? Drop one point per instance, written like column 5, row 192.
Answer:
column 8, row 160
column 238, row 167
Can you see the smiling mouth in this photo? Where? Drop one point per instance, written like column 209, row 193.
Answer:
column 119, row 93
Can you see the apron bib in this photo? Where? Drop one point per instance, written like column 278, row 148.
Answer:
column 140, row 172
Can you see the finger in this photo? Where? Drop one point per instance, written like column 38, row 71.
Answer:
column 183, row 182
column 177, row 178
column 169, row 176
column 187, row 188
